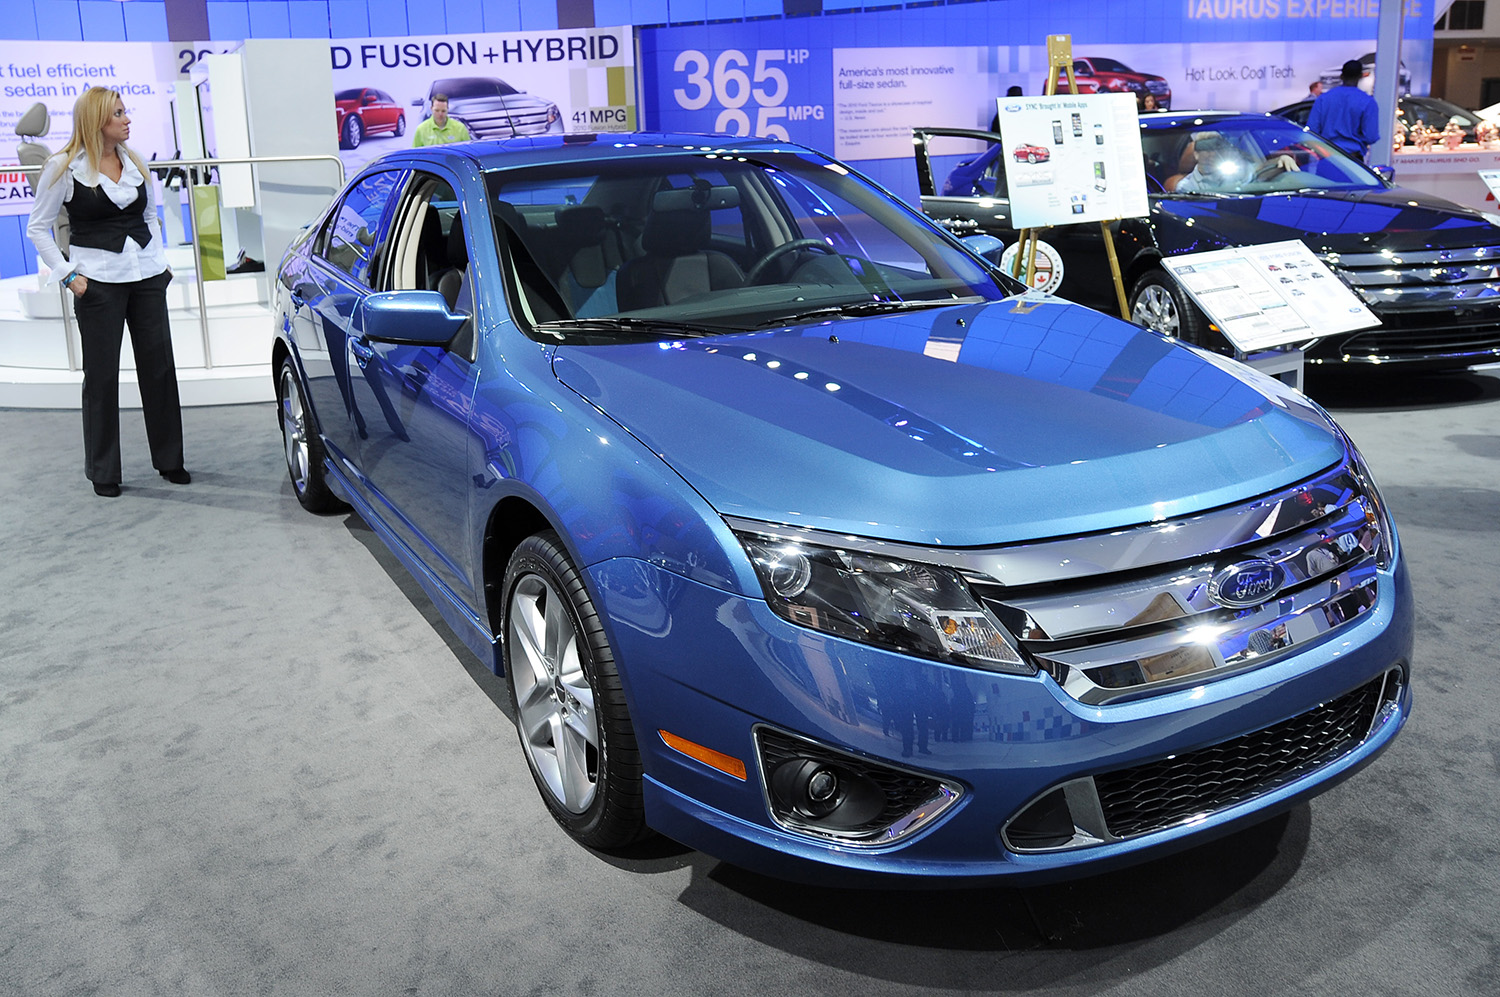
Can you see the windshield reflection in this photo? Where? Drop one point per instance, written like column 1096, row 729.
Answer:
column 1255, row 157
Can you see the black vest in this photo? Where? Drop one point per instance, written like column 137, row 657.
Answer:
column 99, row 223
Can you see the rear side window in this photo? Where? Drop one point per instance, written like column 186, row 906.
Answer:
column 352, row 236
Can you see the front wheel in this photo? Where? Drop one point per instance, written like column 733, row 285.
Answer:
column 354, row 133
column 304, row 451
column 570, row 708
column 1158, row 302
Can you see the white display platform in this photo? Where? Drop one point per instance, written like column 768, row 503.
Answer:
column 39, row 368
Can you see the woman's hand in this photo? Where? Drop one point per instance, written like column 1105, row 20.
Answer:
column 78, row 285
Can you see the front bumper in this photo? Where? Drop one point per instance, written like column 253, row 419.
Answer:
column 709, row 667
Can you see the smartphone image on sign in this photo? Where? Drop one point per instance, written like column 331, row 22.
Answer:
column 1099, row 174
column 1077, row 125
column 1057, row 138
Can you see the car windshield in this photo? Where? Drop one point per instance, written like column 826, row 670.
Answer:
column 705, row 241
column 1239, row 156
column 473, row 86
column 1109, row 66
column 1436, row 112
column 348, row 95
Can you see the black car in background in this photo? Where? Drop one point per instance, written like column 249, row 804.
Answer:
column 1435, row 112
column 1428, row 268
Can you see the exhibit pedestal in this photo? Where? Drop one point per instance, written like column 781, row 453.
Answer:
column 41, row 357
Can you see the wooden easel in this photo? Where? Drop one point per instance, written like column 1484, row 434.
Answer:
column 1060, row 56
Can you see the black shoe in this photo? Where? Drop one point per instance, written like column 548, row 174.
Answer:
column 177, row 476
column 106, row 489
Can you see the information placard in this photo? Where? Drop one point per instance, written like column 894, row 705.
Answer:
column 1071, row 159
column 1271, row 295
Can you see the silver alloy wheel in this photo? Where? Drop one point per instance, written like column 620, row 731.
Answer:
column 294, row 430
column 554, row 701
column 1156, row 309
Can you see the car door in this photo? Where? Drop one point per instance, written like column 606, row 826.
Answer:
column 414, row 457
column 335, row 280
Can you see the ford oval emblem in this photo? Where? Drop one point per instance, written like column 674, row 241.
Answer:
column 1246, row 583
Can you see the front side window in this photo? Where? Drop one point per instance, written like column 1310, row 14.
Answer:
column 717, row 243
column 352, row 233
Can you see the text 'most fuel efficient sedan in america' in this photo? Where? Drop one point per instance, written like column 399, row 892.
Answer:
column 807, row 538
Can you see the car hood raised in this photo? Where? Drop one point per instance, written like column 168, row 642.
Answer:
column 960, row 426
column 1360, row 221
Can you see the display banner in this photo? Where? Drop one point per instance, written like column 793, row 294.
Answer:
column 813, row 82
column 500, row 85
column 55, row 73
column 879, row 92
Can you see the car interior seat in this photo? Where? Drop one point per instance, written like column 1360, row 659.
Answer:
column 677, row 262
column 591, row 252
column 449, row 281
column 33, row 155
column 1186, row 162
column 432, row 249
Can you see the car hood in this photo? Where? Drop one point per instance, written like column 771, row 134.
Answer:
column 1363, row 221
column 960, row 426
column 509, row 102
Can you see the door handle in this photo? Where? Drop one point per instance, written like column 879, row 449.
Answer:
column 363, row 354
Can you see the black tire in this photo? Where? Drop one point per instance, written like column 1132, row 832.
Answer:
column 1031, row 157
column 353, row 133
column 1158, row 302
column 400, row 126
column 303, row 448
column 571, row 716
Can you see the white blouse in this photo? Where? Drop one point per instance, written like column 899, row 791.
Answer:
column 133, row 262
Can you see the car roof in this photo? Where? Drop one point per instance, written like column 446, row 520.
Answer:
column 1164, row 120
column 516, row 153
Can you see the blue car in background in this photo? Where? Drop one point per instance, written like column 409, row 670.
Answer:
column 805, row 537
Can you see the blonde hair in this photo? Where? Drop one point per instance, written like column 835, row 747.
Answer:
column 90, row 112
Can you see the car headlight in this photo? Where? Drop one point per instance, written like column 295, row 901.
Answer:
column 552, row 113
column 1375, row 510
column 906, row 606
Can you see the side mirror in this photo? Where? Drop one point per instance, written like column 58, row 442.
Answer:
column 1384, row 172
column 413, row 318
column 984, row 246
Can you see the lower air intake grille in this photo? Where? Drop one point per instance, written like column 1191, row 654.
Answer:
column 1167, row 792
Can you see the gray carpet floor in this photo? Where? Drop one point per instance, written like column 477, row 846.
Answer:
column 240, row 754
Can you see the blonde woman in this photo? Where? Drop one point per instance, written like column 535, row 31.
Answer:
column 117, row 272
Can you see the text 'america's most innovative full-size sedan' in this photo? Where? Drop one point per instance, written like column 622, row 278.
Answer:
column 807, row 538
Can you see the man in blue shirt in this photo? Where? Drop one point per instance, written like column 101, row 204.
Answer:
column 1346, row 115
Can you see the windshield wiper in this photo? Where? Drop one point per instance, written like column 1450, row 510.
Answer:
column 646, row 328
column 858, row 308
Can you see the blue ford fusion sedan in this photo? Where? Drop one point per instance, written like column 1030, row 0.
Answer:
column 805, row 537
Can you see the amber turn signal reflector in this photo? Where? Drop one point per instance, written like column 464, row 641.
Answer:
column 727, row 764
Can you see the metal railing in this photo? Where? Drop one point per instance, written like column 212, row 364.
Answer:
column 189, row 164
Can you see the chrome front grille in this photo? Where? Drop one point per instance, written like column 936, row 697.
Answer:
column 1116, row 635
column 1423, row 279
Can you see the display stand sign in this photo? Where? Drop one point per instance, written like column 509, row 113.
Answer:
column 1267, row 296
column 1491, row 180
column 1072, row 158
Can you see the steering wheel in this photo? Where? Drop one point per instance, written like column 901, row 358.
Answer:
column 782, row 250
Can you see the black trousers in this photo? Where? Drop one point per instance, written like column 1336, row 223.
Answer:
column 103, row 312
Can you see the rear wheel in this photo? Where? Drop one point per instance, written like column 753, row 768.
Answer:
column 1158, row 302
column 304, row 451
column 570, row 708
column 401, row 125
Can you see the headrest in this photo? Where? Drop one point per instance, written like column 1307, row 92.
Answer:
column 34, row 123
column 458, row 251
column 675, row 233
column 701, row 195
column 580, row 225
